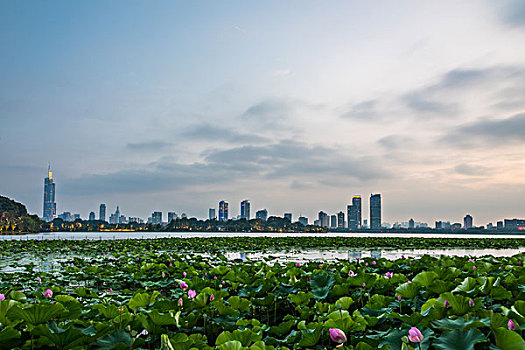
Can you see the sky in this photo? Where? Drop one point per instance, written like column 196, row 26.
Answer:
column 294, row 105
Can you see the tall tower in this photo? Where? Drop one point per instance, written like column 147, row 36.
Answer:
column 375, row 211
column 245, row 209
column 354, row 213
column 102, row 212
column 223, row 211
column 50, row 206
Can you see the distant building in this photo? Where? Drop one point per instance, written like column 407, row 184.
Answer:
column 262, row 214
column 50, row 206
column 514, row 224
column 66, row 216
column 156, row 217
column 211, row 214
column 172, row 216
column 223, row 211
column 317, row 222
column 92, row 216
column 490, row 226
column 245, row 209
column 354, row 213
column 333, row 221
column 455, row 226
column 340, row 220
column 303, row 220
column 443, row 225
column 122, row 219
column 134, row 219
column 288, row 216
column 323, row 219
column 102, row 212
column 375, row 211
column 467, row 221
column 411, row 223
column 499, row 225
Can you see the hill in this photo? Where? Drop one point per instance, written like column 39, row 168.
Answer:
column 12, row 209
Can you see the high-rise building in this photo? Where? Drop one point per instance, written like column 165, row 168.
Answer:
column 288, row 216
column 223, row 211
column 499, row 225
column 171, row 216
column 303, row 220
column 467, row 221
column 245, row 209
column 92, row 216
column 211, row 214
column 375, row 211
column 411, row 223
column 156, row 217
column 262, row 214
column 333, row 221
column 354, row 213
column 50, row 206
column 323, row 219
column 340, row 220
column 102, row 212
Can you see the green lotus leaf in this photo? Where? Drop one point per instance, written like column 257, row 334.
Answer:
column 467, row 286
column 300, row 298
column 283, row 328
column 425, row 278
column 36, row 313
column 408, row 290
column 321, row 285
column 459, row 340
column 9, row 337
column 113, row 340
column 508, row 340
column 310, row 337
column 230, row 345
column 142, row 300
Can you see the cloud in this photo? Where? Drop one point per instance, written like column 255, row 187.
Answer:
column 513, row 13
column 366, row 110
column 281, row 72
column 214, row 133
column 148, row 146
column 471, row 170
column 285, row 161
column 270, row 111
column 486, row 131
column 394, row 142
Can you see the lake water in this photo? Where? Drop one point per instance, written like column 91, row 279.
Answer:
column 153, row 235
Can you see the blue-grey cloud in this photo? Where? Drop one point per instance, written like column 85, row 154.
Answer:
column 472, row 170
column 270, row 110
column 394, row 142
column 366, row 111
column 513, row 13
column 489, row 131
column 148, row 146
column 214, row 133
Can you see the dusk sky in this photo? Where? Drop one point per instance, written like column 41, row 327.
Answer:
column 294, row 105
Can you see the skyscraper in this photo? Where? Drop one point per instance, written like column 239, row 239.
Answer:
column 288, row 216
column 303, row 220
column 333, row 221
column 50, row 206
column 340, row 220
column 262, row 214
column 211, row 214
column 156, row 217
column 171, row 216
column 92, row 216
column 245, row 209
column 467, row 221
column 375, row 211
column 102, row 212
column 323, row 219
column 223, row 211
column 354, row 213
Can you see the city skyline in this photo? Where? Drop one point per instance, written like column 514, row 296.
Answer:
column 295, row 105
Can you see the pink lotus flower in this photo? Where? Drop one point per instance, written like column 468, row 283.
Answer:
column 511, row 326
column 184, row 274
column 180, row 302
column 2, row 297
column 352, row 274
column 500, row 267
column 366, row 264
column 38, row 279
column 373, row 262
column 337, row 335
column 389, row 275
column 471, row 303
column 447, row 304
column 183, row 285
column 205, row 274
column 48, row 293
column 192, row 294
column 364, row 284
column 402, row 256
column 163, row 275
column 223, row 282
column 111, row 290
column 297, row 264
column 409, row 282
column 214, row 277
column 212, row 298
column 399, row 297
column 171, row 264
column 415, row 335
column 474, row 267
column 320, row 265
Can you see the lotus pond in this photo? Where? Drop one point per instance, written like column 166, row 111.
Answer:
column 190, row 294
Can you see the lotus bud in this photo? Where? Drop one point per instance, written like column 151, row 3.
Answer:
column 415, row 335
column 337, row 335
column 48, row 293
column 447, row 304
column 180, row 302
column 2, row 297
column 192, row 294
column 511, row 326
column 183, row 286
column 212, row 298
column 399, row 297
column 471, row 303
